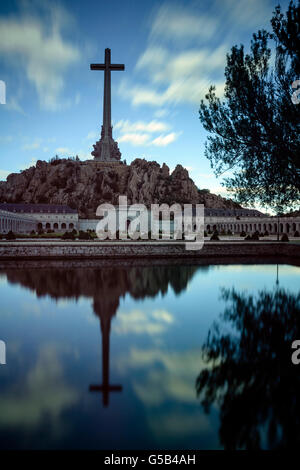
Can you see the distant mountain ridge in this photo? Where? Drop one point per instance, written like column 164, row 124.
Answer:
column 85, row 185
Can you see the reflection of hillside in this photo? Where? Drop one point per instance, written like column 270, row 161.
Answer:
column 104, row 285
column 250, row 374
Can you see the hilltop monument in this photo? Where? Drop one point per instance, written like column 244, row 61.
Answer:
column 106, row 149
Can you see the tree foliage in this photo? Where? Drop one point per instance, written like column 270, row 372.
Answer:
column 254, row 129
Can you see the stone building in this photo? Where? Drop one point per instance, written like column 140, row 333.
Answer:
column 16, row 222
column 45, row 217
column 249, row 221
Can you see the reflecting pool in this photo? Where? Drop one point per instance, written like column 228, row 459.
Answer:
column 129, row 356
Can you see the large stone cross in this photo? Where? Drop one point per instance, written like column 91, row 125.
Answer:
column 107, row 149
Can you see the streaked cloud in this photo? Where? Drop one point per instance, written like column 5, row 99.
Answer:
column 140, row 126
column 183, row 74
column 163, row 140
column 134, row 139
column 92, row 135
column 173, row 21
column 64, row 150
column 32, row 145
column 37, row 47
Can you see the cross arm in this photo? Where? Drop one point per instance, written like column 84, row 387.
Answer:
column 105, row 388
column 117, row 67
column 97, row 66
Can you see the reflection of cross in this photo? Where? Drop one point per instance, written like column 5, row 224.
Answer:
column 105, row 387
column 107, row 67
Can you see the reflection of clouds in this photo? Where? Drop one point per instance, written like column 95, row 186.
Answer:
column 140, row 322
column 44, row 393
column 167, row 389
column 169, row 375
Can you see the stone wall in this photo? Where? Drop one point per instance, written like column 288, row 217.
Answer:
column 102, row 250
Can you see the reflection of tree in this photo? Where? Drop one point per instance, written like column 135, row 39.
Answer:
column 250, row 374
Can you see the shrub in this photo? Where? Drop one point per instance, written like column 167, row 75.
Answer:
column 243, row 233
column 1, row 236
column 255, row 236
column 284, row 238
column 229, row 232
column 248, row 237
column 215, row 236
column 10, row 236
column 296, row 234
column 266, row 233
column 68, row 236
column 205, row 233
column 83, row 235
column 32, row 232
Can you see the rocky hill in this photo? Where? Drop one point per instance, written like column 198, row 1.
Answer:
column 85, row 185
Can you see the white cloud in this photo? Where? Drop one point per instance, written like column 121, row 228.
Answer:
column 140, row 126
column 134, row 139
column 163, row 140
column 39, row 49
column 183, row 74
column 92, row 135
column 161, row 113
column 32, row 146
column 64, row 150
column 174, row 22
column 77, row 98
column 14, row 105
column 140, row 322
column 183, row 89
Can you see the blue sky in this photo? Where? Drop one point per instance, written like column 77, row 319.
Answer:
column 172, row 51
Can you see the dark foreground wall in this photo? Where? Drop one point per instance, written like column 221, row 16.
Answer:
column 101, row 250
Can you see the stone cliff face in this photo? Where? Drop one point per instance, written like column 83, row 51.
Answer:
column 85, row 185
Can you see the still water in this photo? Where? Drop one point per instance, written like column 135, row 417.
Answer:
column 152, row 357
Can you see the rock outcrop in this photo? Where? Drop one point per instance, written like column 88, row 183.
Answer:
column 85, row 185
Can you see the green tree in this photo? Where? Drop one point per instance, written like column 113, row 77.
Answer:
column 254, row 129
